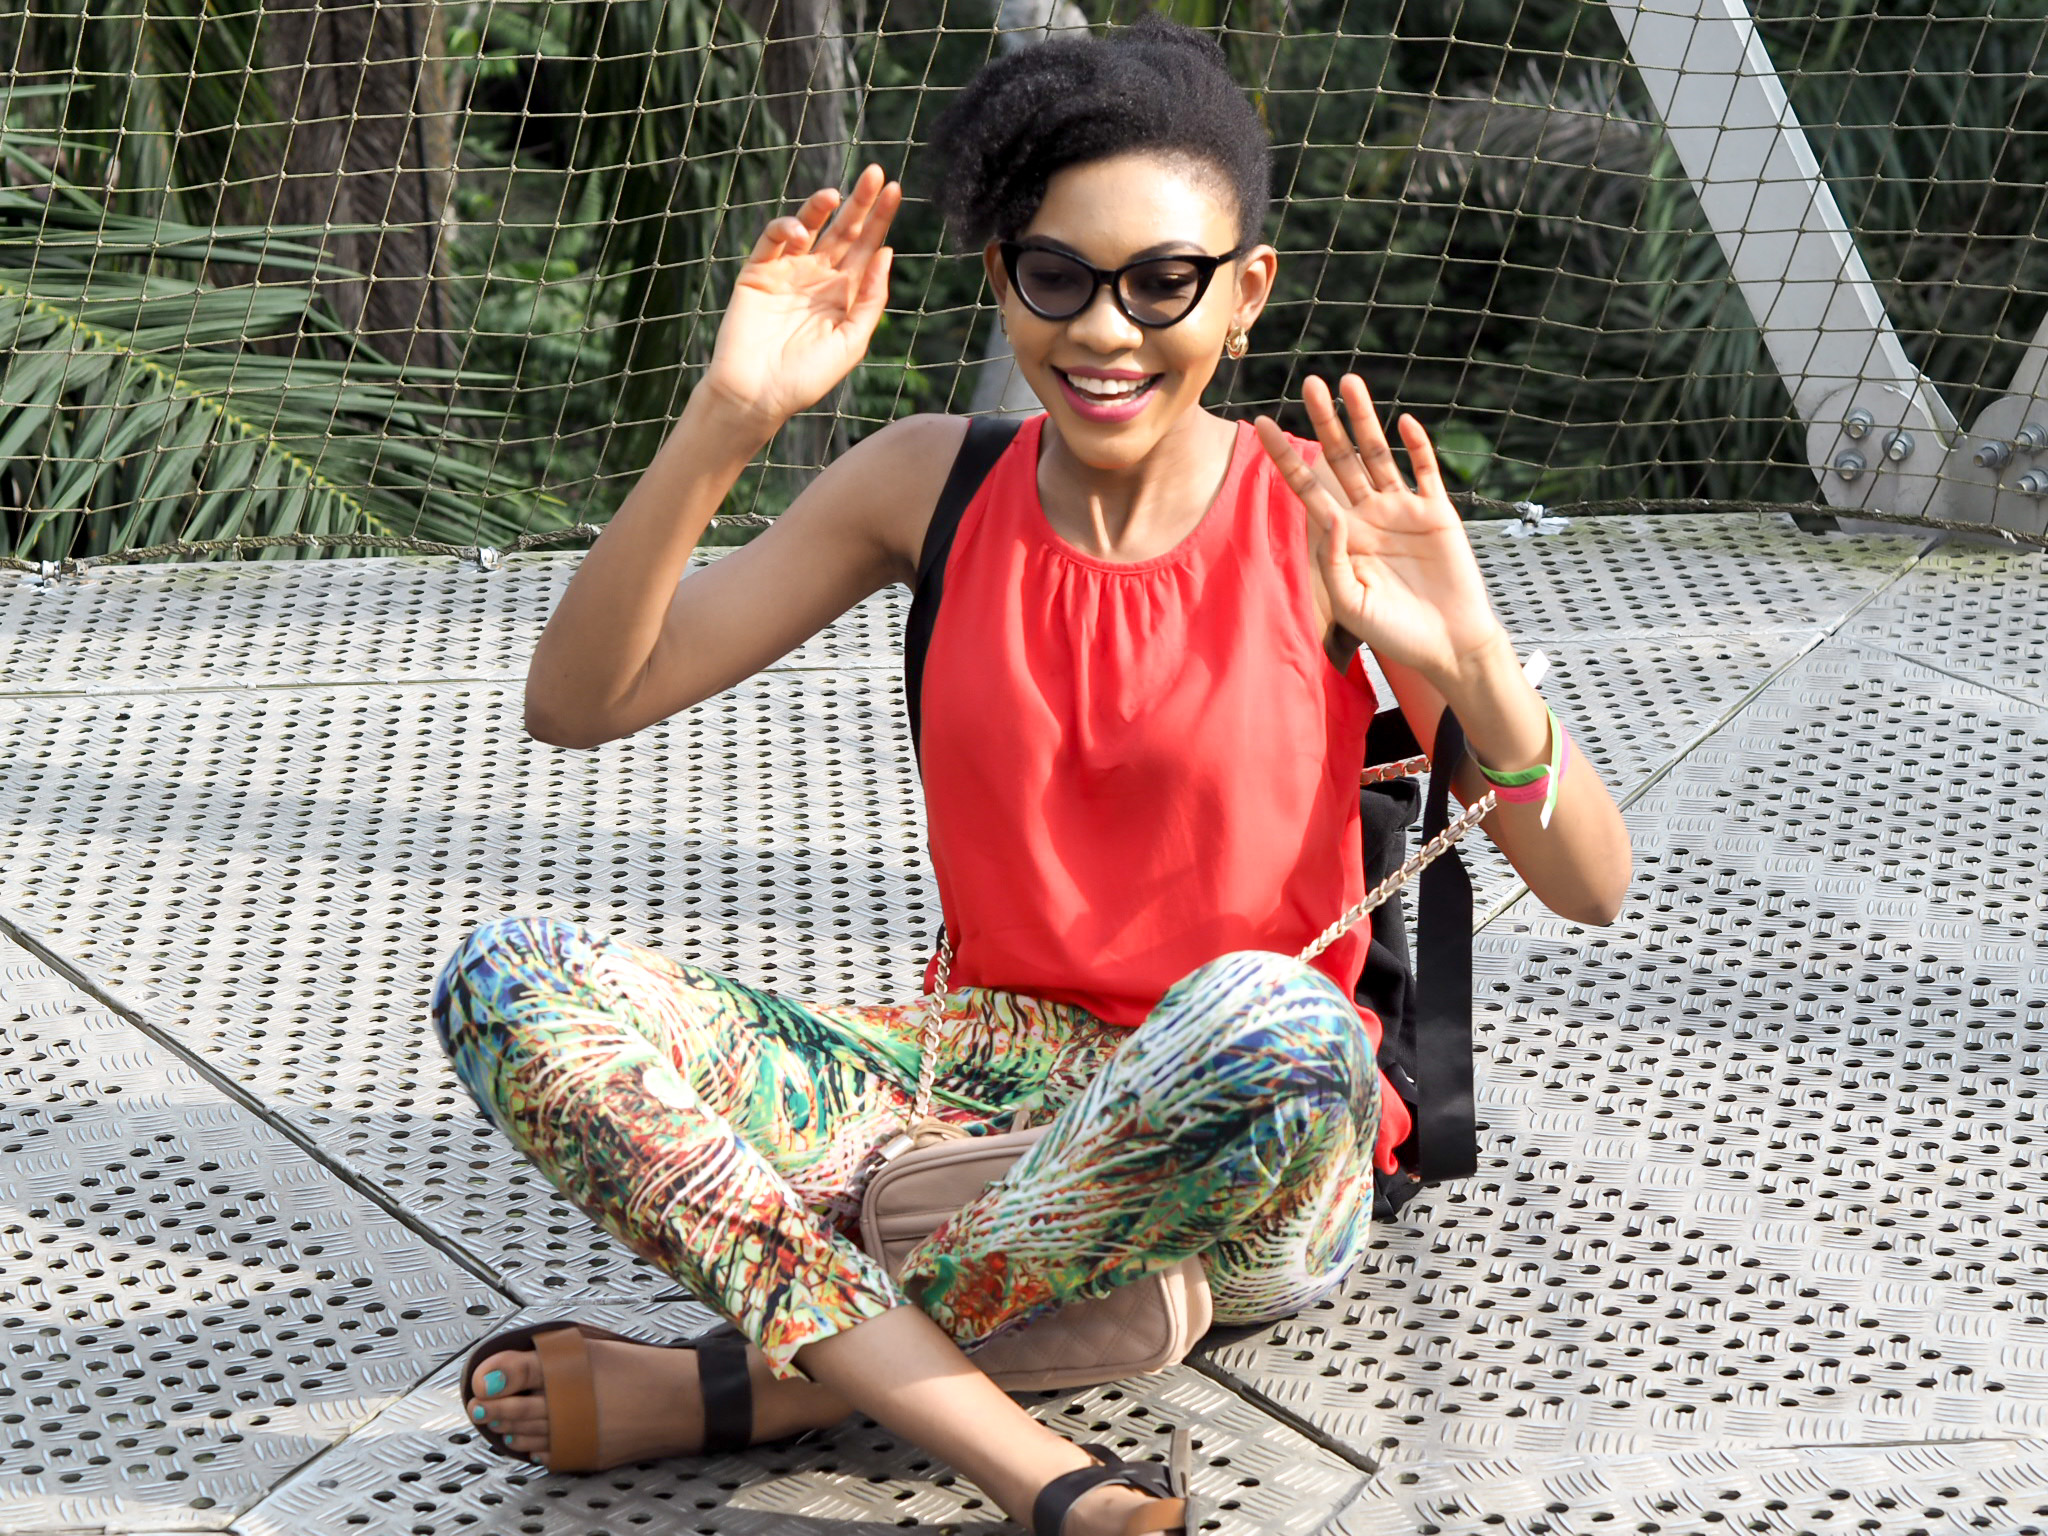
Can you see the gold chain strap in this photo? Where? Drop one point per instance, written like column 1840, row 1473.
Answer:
column 1427, row 854
column 928, row 1037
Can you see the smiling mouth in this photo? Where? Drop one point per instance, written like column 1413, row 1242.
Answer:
column 1109, row 391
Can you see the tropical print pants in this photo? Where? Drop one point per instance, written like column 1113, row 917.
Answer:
column 709, row 1126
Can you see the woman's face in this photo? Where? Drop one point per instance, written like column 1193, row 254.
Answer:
column 1109, row 212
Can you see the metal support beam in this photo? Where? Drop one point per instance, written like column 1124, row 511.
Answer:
column 1878, row 430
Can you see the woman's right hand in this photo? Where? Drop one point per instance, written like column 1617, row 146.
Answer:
column 806, row 302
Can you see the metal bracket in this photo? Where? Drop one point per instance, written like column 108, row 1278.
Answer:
column 1876, row 447
column 1999, row 472
column 484, row 558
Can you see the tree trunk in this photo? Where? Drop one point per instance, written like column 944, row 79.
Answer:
column 367, row 138
column 807, row 85
column 999, row 389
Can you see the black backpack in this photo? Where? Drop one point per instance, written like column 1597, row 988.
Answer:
column 1426, row 1011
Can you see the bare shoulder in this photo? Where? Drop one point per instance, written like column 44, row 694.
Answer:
column 889, row 482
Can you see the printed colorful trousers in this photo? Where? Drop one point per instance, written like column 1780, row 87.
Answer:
column 709, row 1125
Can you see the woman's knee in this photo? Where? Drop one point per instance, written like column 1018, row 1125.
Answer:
column 1270, row 1016
column 507, row 953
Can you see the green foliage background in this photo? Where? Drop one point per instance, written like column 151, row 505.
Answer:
column 1477, row 211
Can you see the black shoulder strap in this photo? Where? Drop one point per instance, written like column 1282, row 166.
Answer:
column 983, row 444
column 1386, row 810
column 1446, row 1131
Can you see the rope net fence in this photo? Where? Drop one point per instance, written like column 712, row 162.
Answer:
column 288, row 277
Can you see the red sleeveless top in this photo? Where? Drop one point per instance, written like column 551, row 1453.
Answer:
column 1131, row 768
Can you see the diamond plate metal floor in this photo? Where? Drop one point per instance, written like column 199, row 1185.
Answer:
column 190, row 1308
column 1757, row 1242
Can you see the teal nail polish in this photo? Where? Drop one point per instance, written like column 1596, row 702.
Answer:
column 477, row 1413
column 494, row 1383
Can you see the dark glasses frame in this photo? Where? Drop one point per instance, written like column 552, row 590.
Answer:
column 1204, row 264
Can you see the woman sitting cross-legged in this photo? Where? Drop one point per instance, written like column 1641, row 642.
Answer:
column 1143, row 709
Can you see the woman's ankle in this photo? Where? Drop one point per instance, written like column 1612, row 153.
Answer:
column 791, row 1405
column 903, row 1371
column 1103, row 1511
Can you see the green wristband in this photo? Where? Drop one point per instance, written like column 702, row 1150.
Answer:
column 1525, row 776
column 1516, row 779
column 1527, row 785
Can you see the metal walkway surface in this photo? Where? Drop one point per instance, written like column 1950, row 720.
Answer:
column 1759, row 1240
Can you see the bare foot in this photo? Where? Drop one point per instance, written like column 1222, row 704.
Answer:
column 648, row 1405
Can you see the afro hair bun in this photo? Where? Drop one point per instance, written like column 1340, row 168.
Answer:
column 1154, row 28
column 1026, row 116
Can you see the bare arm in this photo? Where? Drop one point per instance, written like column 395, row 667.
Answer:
column 1579, row 865
column 1398, row 574
column 632, row 640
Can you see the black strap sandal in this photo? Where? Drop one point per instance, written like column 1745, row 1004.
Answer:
column 1173, row 1503
column 564, row 1351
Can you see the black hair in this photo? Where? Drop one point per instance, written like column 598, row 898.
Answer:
column 1156, row 85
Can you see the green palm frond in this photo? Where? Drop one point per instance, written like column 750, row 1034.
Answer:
column 155, row 94
column 141, row 404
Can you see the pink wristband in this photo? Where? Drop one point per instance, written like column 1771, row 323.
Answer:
column 1543, row 788
column 1521, row 794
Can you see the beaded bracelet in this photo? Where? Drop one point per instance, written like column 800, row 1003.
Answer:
column 1524, row 786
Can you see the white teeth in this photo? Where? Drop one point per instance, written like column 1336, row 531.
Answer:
column 1108, row 389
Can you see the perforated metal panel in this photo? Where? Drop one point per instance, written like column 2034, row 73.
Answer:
column 1634, row 703
column 393, row 620
column 277, row 874
column 1976, row 612
column 1949, row 1490
column 419, row 1468
column 189, row 1306
column 137, row 628
column 1763, row 1162
column 207, row 851
column 1700, row 575
column 1761, row 1169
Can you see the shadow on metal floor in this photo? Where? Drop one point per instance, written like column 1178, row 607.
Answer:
column 1758, row 1242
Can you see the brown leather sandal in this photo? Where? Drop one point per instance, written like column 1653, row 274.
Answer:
column 1173, row 1506
column 564, row 1351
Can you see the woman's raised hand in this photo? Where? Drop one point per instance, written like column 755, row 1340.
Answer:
column 807, row 301
column 1398, row 566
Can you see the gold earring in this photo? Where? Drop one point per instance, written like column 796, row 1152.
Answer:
column 1236, row 342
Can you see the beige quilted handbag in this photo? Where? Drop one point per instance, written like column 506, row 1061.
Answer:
column 1137, row 1328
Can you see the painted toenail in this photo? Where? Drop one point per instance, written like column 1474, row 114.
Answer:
column 478, row 1413
column 494, row 1383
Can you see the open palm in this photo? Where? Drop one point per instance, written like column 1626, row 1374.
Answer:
column 1396, row 561
column 807, row 301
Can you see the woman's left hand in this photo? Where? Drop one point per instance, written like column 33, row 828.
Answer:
column 1396, row 561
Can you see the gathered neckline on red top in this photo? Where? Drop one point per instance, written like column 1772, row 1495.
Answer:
column 1205, row 527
